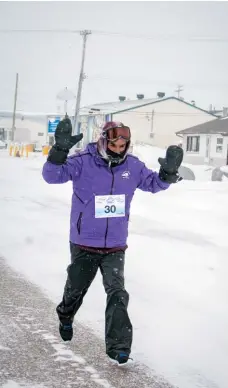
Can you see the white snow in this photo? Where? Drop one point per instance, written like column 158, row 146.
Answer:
column 13, row 384
column 3, row 348
column 224, row 169
column 62, row 353
column 176, row 265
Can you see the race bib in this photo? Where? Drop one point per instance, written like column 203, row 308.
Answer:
column 107, row 206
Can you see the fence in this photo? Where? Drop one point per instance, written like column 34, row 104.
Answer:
column 20, row 150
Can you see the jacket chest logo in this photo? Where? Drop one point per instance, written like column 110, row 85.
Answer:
column 126, row 174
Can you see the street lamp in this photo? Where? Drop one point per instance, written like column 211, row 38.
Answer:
column 65, row 95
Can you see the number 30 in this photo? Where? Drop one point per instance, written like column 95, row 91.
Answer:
column 110, row 209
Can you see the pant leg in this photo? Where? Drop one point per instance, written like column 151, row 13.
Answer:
column 118, row 327
column 81, row 272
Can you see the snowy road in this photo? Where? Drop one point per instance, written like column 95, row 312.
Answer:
column 32, row 354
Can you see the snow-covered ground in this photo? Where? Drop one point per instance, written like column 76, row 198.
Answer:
column 13, row 384
column 176, row 265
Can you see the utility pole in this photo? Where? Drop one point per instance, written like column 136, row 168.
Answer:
column 152, row 123
column 14, row 109
column 84, row 33
column 179, row 89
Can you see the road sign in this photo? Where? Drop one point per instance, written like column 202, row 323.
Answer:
column 52, row 124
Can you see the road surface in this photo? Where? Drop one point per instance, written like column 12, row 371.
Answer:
column 33, row 355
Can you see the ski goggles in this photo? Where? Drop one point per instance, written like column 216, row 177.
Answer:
column 117, row 133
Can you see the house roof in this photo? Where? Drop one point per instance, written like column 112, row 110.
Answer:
column 219, row 126
column 116, row 106
column 105, row 108
column 123, row 106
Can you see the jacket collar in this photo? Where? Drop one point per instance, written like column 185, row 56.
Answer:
column 92, row 149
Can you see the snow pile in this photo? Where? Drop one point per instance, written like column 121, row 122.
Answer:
column 224, row 169
column 149, row 154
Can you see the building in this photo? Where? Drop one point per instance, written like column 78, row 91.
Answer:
column 218, row 112
column 206, row 143
column 152, row 121
column 30, row 127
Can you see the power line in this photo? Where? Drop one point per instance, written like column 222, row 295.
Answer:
column 163, row 37
column 156, row 82
column 53, row 31
column 178, row 37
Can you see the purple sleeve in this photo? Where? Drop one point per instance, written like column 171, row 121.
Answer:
column 150, row 181
column 62, row 173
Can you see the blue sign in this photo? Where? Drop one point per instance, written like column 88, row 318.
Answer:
column 52, row 124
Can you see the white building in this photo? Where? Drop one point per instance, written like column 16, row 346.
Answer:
column 30, row 127
column 206, row 143
column 152, row 121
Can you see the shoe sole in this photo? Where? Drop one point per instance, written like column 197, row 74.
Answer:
column 115, row 362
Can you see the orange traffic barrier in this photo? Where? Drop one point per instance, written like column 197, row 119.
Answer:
column 45, row 150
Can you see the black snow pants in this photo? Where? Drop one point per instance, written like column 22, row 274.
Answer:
column 81, row 272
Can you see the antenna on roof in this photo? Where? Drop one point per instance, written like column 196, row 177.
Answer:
column 160, row 94
column 179, row 89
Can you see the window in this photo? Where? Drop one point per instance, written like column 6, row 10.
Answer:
column 219, row 145
column 193, row 143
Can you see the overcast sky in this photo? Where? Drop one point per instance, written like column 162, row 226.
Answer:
column 115, row 64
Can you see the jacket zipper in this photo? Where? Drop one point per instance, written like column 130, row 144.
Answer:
column 79, row 223
column 106, row 232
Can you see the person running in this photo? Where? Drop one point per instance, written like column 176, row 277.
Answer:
column 105, row 177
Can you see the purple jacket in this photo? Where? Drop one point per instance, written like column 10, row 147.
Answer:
column 92, row 177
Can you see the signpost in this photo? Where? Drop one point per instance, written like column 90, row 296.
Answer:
column 52, row 124
column 65, row 95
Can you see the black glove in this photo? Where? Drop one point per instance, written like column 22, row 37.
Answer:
column 170, row 164
column 64, row 141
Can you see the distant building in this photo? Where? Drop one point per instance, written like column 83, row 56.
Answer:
column 206, row 143
column 30, row 127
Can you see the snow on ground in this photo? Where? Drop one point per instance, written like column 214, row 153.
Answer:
column 176, row 265
column 224, row 169
column 13, row 384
